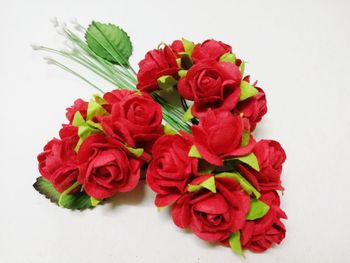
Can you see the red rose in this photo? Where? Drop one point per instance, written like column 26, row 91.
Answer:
column 253, row 108
column 79, row 105
column 106, row 168
column 58, row 161
column 219, row 135
column 261, row 234
column 170, row 170
column 213, row 216
column 157, row 63
column 212, row 85
column 270, row 156
column 210, row 49
column 135, row 119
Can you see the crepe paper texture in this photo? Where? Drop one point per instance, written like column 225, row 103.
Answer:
column 199, row 153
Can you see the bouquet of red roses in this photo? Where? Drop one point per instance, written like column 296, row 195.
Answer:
column 197, row 149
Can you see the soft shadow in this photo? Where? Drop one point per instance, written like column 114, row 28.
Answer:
column 134, row 197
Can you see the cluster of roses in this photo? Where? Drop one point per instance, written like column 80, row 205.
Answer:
column 221, row 183
column 103, row 147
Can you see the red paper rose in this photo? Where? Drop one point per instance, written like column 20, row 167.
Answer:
column 270, row 156
column 79, row 105
column 254, row 108
column 171, row 169
column 210, row 49
column 219, row 135
column 135, row 118
column 157, row 63
column 58, row 161
column 106, row 168
column 213, row 216
column 261, row 234
column 212, row 85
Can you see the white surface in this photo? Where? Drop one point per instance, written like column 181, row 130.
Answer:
column 298, row 50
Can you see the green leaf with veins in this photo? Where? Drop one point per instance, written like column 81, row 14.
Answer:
column 76, row 201
column 109, row 42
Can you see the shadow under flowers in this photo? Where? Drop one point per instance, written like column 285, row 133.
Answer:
column 133, row 197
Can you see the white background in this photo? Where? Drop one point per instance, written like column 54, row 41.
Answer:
column 298, row 50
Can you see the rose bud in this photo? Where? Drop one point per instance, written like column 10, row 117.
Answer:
column 106, row 168
column 213, row 216
column 210, row 49
column 157, row 63
column 171, row 169
column 211, row 85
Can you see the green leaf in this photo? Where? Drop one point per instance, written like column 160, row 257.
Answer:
column 109, row 42
column 194, row 152
column 228, row 57
column 247, row 91
column 166, row 82
column 136, row 151
column 257, row 209
column 235, row 243
column 188, row 45
column 78, row 200
column 188, row 114
column 249, row 159
column 207, row 184
column 244, row 183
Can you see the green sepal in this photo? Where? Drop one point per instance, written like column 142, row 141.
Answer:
column 207, row 184
column 95, row 109
column 257, row 209
column 79, row 200
column 135, row 151
column 109, row 42
column 245, row 138
column 235, row 243
column 100, row 100
column 228, row 57
column 166, row 82
column 182, row 73
column 188, row 45
column 242, row 68
column 78, row 119
column 94, row 201
column 249, row 159
column 247, row 91
column 188, row 115
column 194, row 152
column 247, row 187
column 168, row 130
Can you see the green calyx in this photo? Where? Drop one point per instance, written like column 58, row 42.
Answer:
column 166, row 82
column 208, row 184
column 247, row 90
